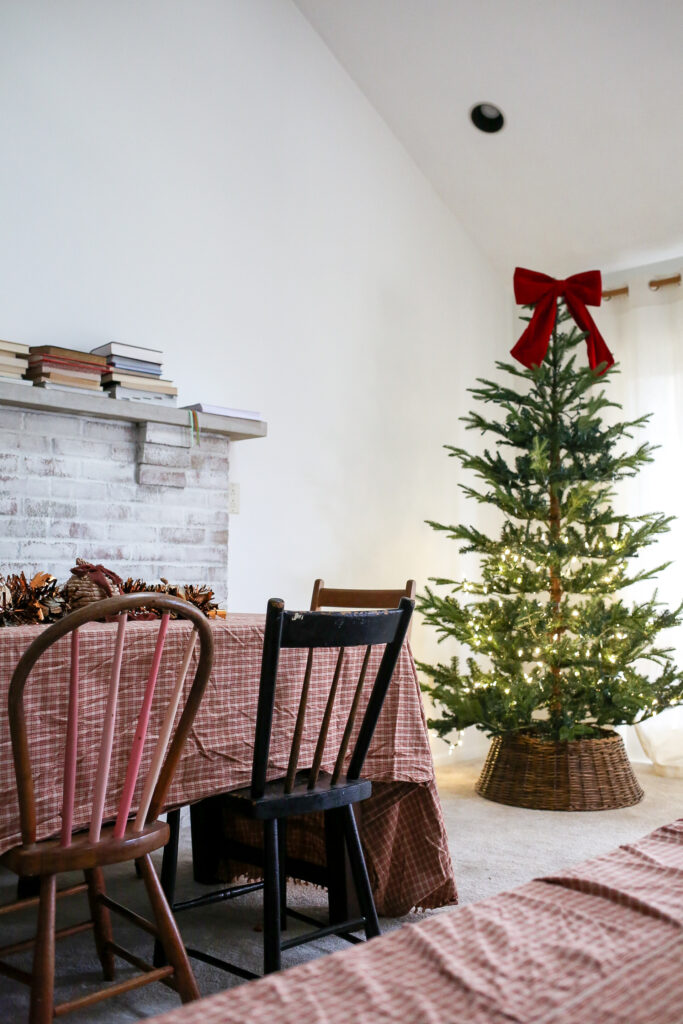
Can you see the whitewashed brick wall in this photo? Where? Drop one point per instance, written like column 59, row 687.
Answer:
column 139, row 498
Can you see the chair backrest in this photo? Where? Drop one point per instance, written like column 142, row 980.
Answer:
column 337, row 597
column 334, row 597
column 164, row 757
column 312, row 630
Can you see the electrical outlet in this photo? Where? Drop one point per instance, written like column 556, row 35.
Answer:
column 233, row 499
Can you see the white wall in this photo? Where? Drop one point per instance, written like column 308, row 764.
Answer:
column 204, row 178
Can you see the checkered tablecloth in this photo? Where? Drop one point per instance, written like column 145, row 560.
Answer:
column 599, row 944
column 401, row 825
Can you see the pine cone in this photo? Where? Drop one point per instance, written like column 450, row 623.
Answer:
column 25, row 602
column 199, row 596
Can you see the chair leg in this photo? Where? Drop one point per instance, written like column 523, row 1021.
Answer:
column 168, row 932
column 335, row 861
column 271, row 899
column 169, row 868
column 360, row 874
column 282, row 867
column 42, row 986
column 101, row 921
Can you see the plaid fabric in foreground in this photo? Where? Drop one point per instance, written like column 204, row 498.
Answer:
column 403, row 832
column 599, row 944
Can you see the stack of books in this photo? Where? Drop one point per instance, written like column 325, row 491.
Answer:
column 13, row 362
column 134, row 373
column 64, row 369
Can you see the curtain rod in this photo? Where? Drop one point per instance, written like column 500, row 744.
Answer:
column 612, row 292
column 654, row 285
column 662, row 282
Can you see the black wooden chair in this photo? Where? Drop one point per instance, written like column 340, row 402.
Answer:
column 308, row 789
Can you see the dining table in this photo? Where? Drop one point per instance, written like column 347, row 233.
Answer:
column 401, row 825
column 599, row 942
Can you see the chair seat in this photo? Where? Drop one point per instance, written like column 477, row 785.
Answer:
column 50, row 857
column 275, row 803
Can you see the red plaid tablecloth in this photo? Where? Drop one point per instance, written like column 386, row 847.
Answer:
column 401, row 825
column 599, row 944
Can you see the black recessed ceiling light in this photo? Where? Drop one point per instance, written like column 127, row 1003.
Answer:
column 487, row 117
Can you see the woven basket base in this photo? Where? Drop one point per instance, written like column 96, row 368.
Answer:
column 578, row 775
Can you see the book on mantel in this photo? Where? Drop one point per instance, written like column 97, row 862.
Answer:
column 40, row 358
column 50, row 385
column 119, row 348
column 67, row 353
column 131, row 358
column 52, row 366
column 65, row 378
column 14, row 346
column 135, row 366
column 13, row 379
column 39, row 365
column 130, row 380
column 13, row 361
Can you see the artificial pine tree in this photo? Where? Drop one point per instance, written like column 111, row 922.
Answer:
column 556, row 651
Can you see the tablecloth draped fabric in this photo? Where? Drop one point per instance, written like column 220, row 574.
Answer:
column 601, row 943
column 403, row 834
column 406, row 872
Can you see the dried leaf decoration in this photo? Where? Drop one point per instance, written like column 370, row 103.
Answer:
column 40, row 600
column 41, row 579
column 24, row 603
column 200, row 596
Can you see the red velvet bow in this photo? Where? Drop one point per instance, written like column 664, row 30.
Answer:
column 541, row 291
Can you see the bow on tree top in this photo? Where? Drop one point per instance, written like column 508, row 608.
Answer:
column 541, row 291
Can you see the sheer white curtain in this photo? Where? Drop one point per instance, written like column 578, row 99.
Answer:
column 644, row 331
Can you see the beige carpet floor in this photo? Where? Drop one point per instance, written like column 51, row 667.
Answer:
column 493, row 847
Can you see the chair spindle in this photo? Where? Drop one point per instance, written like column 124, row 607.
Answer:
column 346, row 738
column 325, row 726
column 299, row 728
column 70, row 754
column 164, row 733
column 107, row 741
column 140, row 733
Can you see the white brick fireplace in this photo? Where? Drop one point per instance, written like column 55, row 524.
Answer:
column 116, row 482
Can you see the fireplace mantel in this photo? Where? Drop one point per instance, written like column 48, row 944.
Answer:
column 101, row 407
column 125, row 483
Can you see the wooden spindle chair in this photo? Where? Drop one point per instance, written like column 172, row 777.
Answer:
column 304, row 790
column 338, row 597
column 103, row 843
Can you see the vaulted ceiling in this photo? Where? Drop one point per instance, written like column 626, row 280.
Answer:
column 587, row 169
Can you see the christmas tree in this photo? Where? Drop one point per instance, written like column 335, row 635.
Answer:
column 555, row 650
